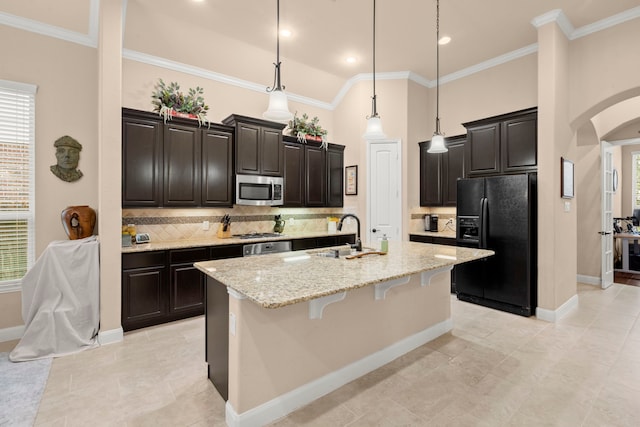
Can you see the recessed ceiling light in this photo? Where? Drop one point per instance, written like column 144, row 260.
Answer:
column 444, row 40
column 285, row 33
column 351, row 59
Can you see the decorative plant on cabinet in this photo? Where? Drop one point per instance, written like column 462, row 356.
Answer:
column 305, row 129
column 168, row 101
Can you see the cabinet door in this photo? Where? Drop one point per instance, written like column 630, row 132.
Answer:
column 335, row 176
column 141, row 162
column 453, row 170
column 186, row 290
column 144, row 299
column 247, row 149
column 271, row 152
column 315, row 166
column 483, row 149
column 519, row 143
column 186, row 283
column 430, row 177
column 144, row 292
column 293, row 174
column 181, row 166
column 217, row 168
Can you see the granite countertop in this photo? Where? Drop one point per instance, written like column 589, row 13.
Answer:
column 448, row 234
column 214, row 241
column 282, row 279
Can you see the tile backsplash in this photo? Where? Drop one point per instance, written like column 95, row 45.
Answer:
column 178, row 224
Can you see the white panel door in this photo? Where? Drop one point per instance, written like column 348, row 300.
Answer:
column 607, row 214
column 385, row 210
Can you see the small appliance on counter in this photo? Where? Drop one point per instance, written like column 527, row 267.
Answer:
column 433, row 225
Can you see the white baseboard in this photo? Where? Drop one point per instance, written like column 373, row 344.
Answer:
column 12, row 333
column 111, row 336
column 554, row 315
column 590, row 280
column 289, row 402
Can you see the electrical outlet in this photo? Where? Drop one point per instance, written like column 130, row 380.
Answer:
column 205, row 225
column 291, row 221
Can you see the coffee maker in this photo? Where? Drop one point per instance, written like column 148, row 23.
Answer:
column 431, row 223
column 434, row 223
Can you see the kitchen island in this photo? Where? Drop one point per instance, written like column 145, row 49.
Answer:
column 285, row 329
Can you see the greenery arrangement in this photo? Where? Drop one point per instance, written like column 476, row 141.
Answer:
column 302, row 128
column 168, row 101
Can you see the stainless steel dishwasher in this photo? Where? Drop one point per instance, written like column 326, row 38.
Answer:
column 265, row 248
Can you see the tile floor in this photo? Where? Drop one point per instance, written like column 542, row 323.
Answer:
column 493, row 369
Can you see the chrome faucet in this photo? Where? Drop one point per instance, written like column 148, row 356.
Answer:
column 358, row 244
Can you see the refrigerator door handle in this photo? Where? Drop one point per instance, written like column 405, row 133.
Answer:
column 483, row 223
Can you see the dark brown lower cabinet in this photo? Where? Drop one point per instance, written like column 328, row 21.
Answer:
column 322, row 242
column 144, row 290
column 186, row 284
column 163, row 286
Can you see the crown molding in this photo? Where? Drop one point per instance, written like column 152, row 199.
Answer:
column 90, row 40
column 557, row 16
column 605, row 23
column 212, row 75
column 572, row 33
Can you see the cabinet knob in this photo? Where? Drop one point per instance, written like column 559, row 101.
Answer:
column 374, row 230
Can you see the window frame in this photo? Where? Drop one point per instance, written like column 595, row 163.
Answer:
column 28, row 133
column 635, row 188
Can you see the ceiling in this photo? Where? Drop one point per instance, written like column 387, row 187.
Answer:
column 236, row 38
column 326, row 31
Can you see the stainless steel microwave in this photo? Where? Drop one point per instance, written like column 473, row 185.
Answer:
column 257, row 190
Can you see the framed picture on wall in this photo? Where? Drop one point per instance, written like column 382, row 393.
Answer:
column 351, row 180
column 566, row 178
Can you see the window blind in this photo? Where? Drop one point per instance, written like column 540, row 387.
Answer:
column 17, row 182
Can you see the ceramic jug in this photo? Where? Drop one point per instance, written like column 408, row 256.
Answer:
column 78, row 221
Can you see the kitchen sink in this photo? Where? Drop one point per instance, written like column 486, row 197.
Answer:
column 338, row 252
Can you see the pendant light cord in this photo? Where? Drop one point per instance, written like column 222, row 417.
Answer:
column 374, row 109
column 276, row 78
column 438, row 67
column 374, row 48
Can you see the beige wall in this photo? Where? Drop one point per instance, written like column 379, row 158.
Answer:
column 66, row 104
column 603, row 70
column 265, row 352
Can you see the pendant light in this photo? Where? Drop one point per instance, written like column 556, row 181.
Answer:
column 437, row 141
column 278, row 105
column 374, row 125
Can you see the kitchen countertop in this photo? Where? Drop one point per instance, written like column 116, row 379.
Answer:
column 214, row 241
column 278, row 280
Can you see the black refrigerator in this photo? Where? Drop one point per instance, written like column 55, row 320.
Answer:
column 499, row 213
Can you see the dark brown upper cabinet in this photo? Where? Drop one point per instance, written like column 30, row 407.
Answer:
column 141, row 161
column 259, row 148
column 315, row 163
column 181, row 165
column 439, row 172
column 502, row 144
column 335, row 175
column 175, row 164
column 313, row 176
column 217, row 167
column 294, row 171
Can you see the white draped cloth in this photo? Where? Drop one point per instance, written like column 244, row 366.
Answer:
column 60, row 301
